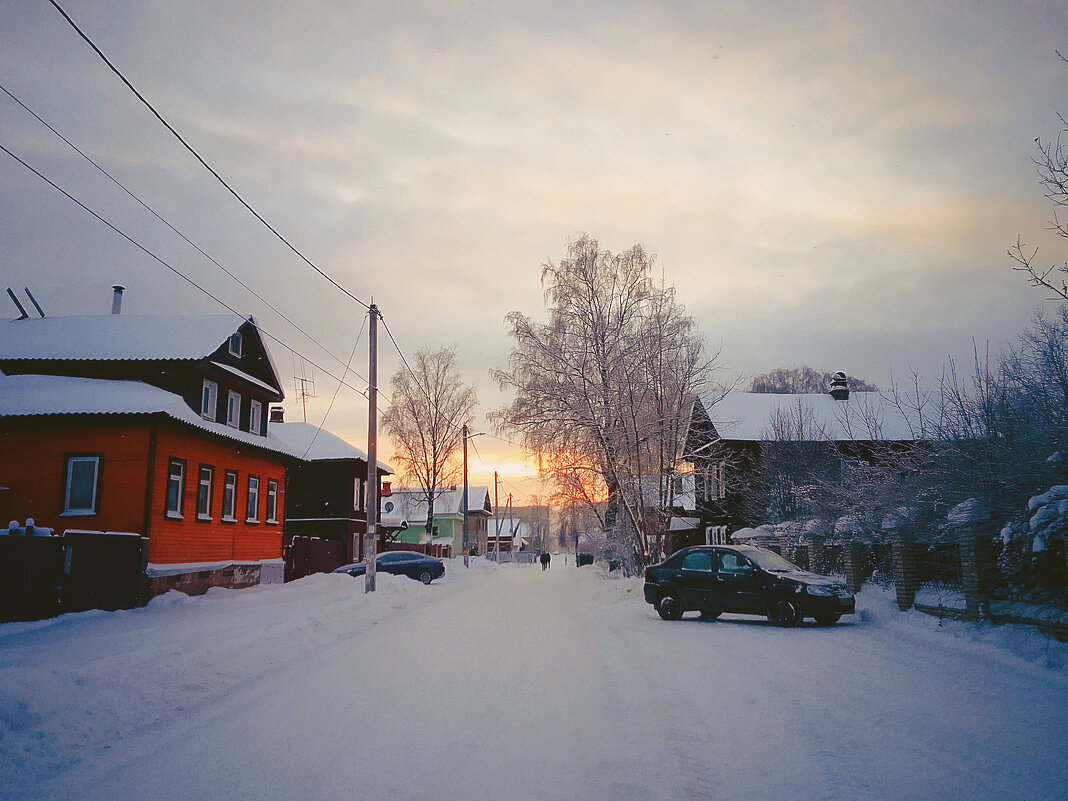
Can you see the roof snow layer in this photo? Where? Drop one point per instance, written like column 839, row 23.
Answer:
column 314, row 444
column 117, row 336
column 31, row 395
column 756, row 417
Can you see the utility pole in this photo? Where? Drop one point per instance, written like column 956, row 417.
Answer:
column 497, row 514
column 464, row 540
column 372, row 451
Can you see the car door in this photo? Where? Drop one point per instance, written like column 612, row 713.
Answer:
column 389, row 562
column 698, row 583
column 739, row 583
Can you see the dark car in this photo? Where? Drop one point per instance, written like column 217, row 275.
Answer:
column 713, row 579
column 401, row 563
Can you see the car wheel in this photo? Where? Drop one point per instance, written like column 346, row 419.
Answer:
column 669, row 607
column 827, row 620
column 426, row 577
column 710, row 615
column 785, row 612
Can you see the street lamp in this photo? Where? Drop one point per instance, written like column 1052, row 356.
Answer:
column 466, row 436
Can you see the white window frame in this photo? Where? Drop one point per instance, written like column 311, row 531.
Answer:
column 205, row 479
column 172, row 476
column 230, row 514
column 255, row 416
column 233, row 409
column 252, row 500
column 91, row 509
column 209, row 399
column 272, row 500
column 235, row 344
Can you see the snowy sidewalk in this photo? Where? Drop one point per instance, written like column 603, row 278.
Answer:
column 513, row 683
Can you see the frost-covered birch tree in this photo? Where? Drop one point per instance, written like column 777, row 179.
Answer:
column 603, row 388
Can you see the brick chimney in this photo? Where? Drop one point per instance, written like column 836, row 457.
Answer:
column 278, row 414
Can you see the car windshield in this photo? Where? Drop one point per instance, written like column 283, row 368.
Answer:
column 771, row 561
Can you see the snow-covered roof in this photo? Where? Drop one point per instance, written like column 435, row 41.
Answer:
column 34, row 395
column 316, row 444
column 117, row 336
column 447, row 502
column 756, row 417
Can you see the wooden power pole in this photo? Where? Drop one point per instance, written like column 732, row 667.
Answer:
column 372, row 451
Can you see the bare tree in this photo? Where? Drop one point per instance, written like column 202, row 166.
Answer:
column 430, row 406
column 802, row 380
column 1052, row 163
column 602, row 390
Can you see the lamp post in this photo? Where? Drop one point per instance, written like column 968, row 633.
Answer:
column 466, row 436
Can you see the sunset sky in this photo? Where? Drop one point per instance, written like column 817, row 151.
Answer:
column 832, row 184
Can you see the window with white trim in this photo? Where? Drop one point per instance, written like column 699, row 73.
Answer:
column 175, row 488
column 233, row 409
column 272, row 500
column 80, row 492
column 229, row 507
column 255, row 416
column 235, row 344
column 209, row 399
column 205, row 484
column 252, row 507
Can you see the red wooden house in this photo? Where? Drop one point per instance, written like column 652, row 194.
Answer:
column 150, row 425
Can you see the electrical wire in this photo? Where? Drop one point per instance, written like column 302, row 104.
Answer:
column 186, row 239
column 170, row 267
column 334, row 398
column 197, row 156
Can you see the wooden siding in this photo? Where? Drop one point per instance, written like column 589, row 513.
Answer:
column 174, row 541
column 33, row 457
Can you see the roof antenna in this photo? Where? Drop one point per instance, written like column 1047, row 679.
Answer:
column 15, row 300
column 33, row 300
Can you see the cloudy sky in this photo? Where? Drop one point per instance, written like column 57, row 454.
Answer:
column 832, row 184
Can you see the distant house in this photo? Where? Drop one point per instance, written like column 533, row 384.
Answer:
column 730, row 436
column 448, row 517
column 151, row 425
column 327, row 489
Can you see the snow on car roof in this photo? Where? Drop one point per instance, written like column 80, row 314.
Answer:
column 117, row 336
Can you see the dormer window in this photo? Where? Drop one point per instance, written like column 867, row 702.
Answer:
column 235, row 343
column 209, row 399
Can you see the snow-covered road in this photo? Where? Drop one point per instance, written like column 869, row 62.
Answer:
column 514, row 683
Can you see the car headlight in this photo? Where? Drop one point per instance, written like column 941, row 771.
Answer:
column 820, row 589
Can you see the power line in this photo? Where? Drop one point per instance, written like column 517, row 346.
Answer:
column 159, row 217
column 162, row 261
column 332, row 399
column 198, row 157
column 528, row 495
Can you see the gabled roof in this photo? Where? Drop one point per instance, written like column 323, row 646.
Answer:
column 46, row 395
column 314, row 444
column 447, row 502
column 126, row 337
column 767, row 417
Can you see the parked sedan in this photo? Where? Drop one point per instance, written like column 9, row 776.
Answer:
column 401, row 563
column 745, row 580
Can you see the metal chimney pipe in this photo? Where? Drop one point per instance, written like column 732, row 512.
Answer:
column 116, row 299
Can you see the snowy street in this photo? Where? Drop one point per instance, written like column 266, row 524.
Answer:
column 513, row 683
